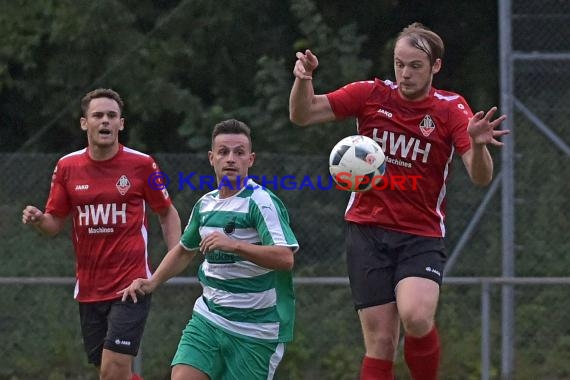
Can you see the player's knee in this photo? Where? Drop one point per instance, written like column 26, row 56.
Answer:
column 383, row 342
column 417, row 324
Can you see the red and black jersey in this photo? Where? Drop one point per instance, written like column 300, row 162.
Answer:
column 418, row 139
column 107, row 201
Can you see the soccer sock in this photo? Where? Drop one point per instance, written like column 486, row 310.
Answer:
column 376, row 369
column 422, row 355
column 136, row 377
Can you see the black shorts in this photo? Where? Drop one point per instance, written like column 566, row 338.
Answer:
column 378, row 259
column 115, row 325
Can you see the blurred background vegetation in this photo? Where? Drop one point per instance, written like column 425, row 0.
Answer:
column 183, row 65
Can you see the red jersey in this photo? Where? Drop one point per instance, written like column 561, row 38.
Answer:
column 106, row 200
column 418, row 140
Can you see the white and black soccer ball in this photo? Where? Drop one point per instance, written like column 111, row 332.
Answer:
column 356, row 163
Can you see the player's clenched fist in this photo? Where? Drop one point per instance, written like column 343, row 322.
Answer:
column 31, row 215
column 306, row 63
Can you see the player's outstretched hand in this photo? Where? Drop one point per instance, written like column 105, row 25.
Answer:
column 482, row 130
column 306, row 63
column 140, row 286
column 31, row 215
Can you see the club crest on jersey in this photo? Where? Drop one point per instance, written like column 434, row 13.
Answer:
column 230, row 227
column 123, row 185
column 427, row 125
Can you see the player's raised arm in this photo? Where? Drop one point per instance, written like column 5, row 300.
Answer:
column 306, row 108
column 482, row 131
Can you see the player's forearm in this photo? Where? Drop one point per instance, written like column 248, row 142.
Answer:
column 481, row 172
column 171, row 229
column 49, row 225
column 300, row 100
column 267, row 256
column 175, row 261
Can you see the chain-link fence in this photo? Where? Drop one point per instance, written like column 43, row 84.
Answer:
column 535, row 52
column 39, row 327
column 40, row 330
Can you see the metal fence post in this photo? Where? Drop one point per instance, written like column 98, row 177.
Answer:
column 485, row 330
column 507, row 215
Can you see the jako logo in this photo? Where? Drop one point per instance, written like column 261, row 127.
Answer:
column 433, row 270
column 119, row 342
column 81, row 187
column 384, row 112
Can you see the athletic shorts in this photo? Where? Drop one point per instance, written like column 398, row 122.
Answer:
column 377, row 259
column 223, row 356
column 115, row 325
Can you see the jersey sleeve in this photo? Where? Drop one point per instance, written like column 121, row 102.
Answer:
column 58, row 202
column 459, row 117
column 191, row 238
column 156, row 197
column 349, row 100
column 271, row 219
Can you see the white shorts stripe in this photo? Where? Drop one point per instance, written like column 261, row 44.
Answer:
column 275, row 360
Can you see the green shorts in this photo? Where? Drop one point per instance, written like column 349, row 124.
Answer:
column 223, row 356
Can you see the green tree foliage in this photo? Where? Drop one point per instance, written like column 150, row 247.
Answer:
column 71, row 47
column 339, row 50
column 182, row 65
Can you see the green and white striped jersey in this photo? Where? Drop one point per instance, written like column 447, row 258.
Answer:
column 239, row 296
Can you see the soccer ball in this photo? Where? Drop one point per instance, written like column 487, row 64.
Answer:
column 357, row 163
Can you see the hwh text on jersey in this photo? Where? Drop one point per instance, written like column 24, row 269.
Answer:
column 92, row 215
column 401, row 145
